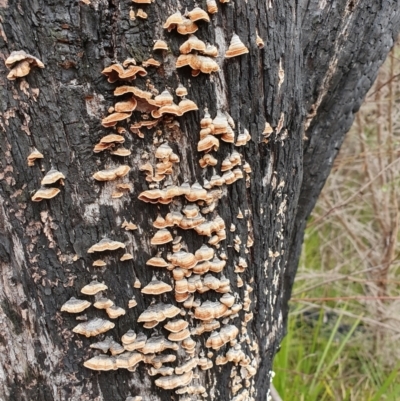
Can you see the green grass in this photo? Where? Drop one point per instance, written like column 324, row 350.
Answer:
column 321, row 361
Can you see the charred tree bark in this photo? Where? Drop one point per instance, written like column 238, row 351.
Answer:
column 307, row 82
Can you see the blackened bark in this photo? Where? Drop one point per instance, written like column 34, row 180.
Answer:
column 43, row 246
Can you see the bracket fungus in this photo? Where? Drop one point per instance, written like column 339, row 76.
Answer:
column 114, row 312
column 132, row 302
column 93, row 288
column 157, row 261
column 175, row 326
column 104, row 345
column 137, row 344
column 112, row 174
column 174, row 381
column 210, row 310
column 52, row 176
column 212, row 7
column 157, row 344
column 198, row 14
column 45, row 193
column 192, row 43
column 197, row 63
column 161, row 237
column 158, row 312
column 236, row 47
column 126, row 256
column 93, row 327
column 74, row 305
column 117, row 71
column 156, row 287
column 106, row 245
column 34, row 155
column 103, row 303
column 259, row 41
column 160, row 45
column 20, row 64
column 181, row 91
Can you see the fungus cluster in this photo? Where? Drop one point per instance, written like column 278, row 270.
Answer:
column 20, row 63
column 181, row 318
column 52, row 177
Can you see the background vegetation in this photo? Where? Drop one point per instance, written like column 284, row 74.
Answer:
column 344, row 334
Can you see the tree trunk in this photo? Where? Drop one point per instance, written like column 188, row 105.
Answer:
column 318, row 62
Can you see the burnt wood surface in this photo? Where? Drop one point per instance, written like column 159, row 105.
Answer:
column 319, row 60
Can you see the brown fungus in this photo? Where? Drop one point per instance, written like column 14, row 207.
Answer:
column 160, row 45
column 93, row 288
column 45, row 193
column 156, row 287
column 174, row 381
column 34, row 155
column 93, row 327
column 106, row 245
column 20, row 64
column 74, row 305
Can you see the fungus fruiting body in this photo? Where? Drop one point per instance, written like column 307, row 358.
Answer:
column 20, row 64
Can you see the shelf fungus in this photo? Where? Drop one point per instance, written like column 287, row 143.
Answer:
column 137, row 344
column 93, row 327
column 126, row 256
column 52, row 176
column 212, row 7
column 114, row 312
column 45, row 193
column 114, row 118
column 177, row 325
column 34, row 155
column 103, row 303
column 158, row 312
column 197, row 63
column 198, row 14
column 179, row 336
column 157, row 261
column 192, row 43
column 20, row 64
column 132, row 302
column 93, row 288
column 185, row 260
column 259, row 41
column 156, row 287
column 106, row 245
column 187, row 27
column 173, row 21
column 174, row 381
column 104, row 345
column 225, row 335
column 116, row 348
column 99, row 263
column 181, row 91
column 187, row 366
column 236, row 47
column 128, row 338
column 163, row 371
column 74, row 305
column 112, row 174
column 128, row 226
column 151, row 62
column 161, row 237
column 160, row 45
column 117, row 71
column 210, row 310
column 141, row 14
column 158, row 344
